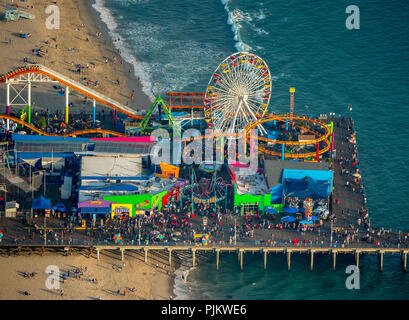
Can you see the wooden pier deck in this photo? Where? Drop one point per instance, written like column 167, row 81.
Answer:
column 240, row 250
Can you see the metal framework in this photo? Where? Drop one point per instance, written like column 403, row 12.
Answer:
column 26, row 75
column 238, row 92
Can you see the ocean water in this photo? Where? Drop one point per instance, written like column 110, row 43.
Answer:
column 175, row 45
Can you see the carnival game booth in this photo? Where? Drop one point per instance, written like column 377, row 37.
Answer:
column 251, row 192
column 95, row 208
column 134, row 205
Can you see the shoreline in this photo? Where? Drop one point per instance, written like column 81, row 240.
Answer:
column 104, row 29
column 74, row 45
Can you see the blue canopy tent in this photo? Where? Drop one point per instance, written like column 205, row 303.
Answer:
column 314, row 218
column 307, row 188
column 290, row 210
column 306, row 222
column 60, row 207
column 270, row 210
column 41, row 203
column 288, row 219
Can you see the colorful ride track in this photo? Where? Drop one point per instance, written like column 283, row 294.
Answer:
column 72, row 134
column 321, row 137
column 39, row 69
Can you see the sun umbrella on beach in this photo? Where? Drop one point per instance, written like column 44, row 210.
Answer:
column 1, row 234
column 306, row 222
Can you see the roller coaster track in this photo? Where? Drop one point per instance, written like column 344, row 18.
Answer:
column 40, row 69
column 72, row 134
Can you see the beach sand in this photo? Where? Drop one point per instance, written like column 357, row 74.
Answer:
column 149, row 282
column 77, row 24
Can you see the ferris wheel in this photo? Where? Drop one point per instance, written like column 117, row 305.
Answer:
column 238, row 93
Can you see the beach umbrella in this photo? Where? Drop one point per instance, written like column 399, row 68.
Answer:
column 270, row 210
column 1, row 234
column 295, row 240
column 117, row 238
column 288, row 219
column 290, row 210
column 314, row 218
column 205, row 240
column 306, row 222
column 158, row 235
column 60, row 207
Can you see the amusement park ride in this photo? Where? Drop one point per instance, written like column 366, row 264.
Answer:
column 234, row 105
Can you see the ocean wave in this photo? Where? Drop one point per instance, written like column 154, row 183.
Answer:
column 237, row 18
column 139, row 67
column 234, row 20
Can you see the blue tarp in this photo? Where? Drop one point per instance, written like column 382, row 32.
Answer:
column 276, row 194
column 306, row 188
column 290, row 210
column 270, row 210
column 288, row 219
column 41, row 203
column 317, row 175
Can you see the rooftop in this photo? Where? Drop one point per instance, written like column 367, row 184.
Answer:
column 273, row 169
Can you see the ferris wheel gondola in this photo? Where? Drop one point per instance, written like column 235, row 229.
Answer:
column 238, row 93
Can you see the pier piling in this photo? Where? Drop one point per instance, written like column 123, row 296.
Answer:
column 241, row 259
column 288, row 259
column 146, row 254
column 405, row 254
column 357, row 258
column 265, row 259
column 194, row 257
column 217, row 259
column 334, row 260
column 312, row 260
column 380, row 260
column 122, row 254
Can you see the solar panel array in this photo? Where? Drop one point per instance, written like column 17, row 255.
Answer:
column 113, row 147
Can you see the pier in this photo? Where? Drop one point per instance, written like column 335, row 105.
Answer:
column 287, row 252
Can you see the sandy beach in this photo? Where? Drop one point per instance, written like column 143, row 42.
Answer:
column 150, row 283
column 80, row 40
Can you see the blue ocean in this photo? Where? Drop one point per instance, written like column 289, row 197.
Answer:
column 175, row 45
